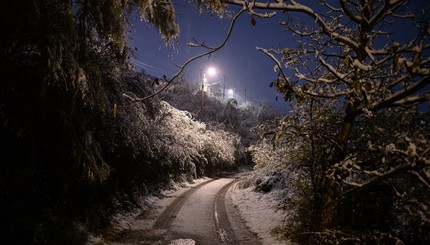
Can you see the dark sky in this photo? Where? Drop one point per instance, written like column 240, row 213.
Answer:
column 239, row 62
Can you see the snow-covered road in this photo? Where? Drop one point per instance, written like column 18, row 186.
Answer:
column 205, row 219
column 202, row 214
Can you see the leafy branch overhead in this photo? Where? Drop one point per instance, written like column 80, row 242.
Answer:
column 346, row 52
column 349, row 57
column 209, row 50
column 366, row 62
column 343, row 55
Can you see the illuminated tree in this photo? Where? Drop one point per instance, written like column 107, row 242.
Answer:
column 367, row 61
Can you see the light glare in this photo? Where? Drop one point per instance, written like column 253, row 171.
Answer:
column 211, row 71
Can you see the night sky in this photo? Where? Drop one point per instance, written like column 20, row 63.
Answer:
column 239, row 62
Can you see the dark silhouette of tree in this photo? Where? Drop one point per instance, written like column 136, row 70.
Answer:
column 348, row 56
column 63, row 68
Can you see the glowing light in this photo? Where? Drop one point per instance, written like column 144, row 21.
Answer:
column 231, row 92
column 211, row 71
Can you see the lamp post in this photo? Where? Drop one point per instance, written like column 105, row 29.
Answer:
column 211, row 72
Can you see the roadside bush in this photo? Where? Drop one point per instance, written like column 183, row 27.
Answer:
column 380, row 186
column 189, row 146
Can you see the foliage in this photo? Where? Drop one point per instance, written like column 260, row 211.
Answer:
column 218, row 113
column 63, row 68
column 348, row 71
column 212, row 5
column 180, row 142
column 381, row 210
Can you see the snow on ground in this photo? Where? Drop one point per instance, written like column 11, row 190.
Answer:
column 151, row 208
column 196, row 216
column 259, row 210
column 156, row 203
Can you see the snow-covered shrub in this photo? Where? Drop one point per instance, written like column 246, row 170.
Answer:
column 292, row 145
column 219, row 113
column 277, row 169
column 385, row 175
column 187, row 146
column 343, row 54
column 382, row 182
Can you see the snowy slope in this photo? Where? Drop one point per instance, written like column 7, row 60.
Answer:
column 259, row 210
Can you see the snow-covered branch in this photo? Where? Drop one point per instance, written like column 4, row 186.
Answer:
column 278, row 65
column 377, row 178
column 336, row 73
column 210, row 51
column 349, row 12
column 299, row 8
column 400, row 95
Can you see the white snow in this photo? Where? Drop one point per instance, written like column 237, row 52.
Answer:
column 412, row 149
column 156, row 205
column 259, row 210
column 196, row 216
column 182, row 242
column 361, row 66
column 94, row 240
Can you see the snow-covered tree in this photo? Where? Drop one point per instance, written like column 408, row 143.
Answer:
column 367, row 59
column 63, row 69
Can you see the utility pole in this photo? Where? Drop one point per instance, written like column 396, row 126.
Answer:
column 211, row 72
column 223, row 91
column 202, row 77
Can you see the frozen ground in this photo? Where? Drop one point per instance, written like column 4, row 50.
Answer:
column 258, row 210
column 144, row 218
column 196, row 218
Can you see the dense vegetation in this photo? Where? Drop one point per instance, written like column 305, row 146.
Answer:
column 77, row 143
column 220, row 112
column 357, row 138
column 73, row 137
column 76, row 135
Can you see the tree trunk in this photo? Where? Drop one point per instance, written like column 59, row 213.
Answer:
column 328, row 205
column 329, row 197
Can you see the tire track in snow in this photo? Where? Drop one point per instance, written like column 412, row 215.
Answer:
column 166, row 218
column 222, row 223
column 209, row 217
column 204, row 215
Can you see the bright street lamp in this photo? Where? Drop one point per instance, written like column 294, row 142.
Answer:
column 231, row 93
column 211, row 71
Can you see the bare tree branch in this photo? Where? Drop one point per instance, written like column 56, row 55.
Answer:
column 279, row 65
column 377, row 179
column 182, row 67
column 297, row 7
column 388, row 102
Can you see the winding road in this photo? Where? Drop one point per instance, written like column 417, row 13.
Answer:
column 204, row 214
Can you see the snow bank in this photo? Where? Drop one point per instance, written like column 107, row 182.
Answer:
column 260, row 211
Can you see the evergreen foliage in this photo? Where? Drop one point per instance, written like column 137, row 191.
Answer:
column 66, row 155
